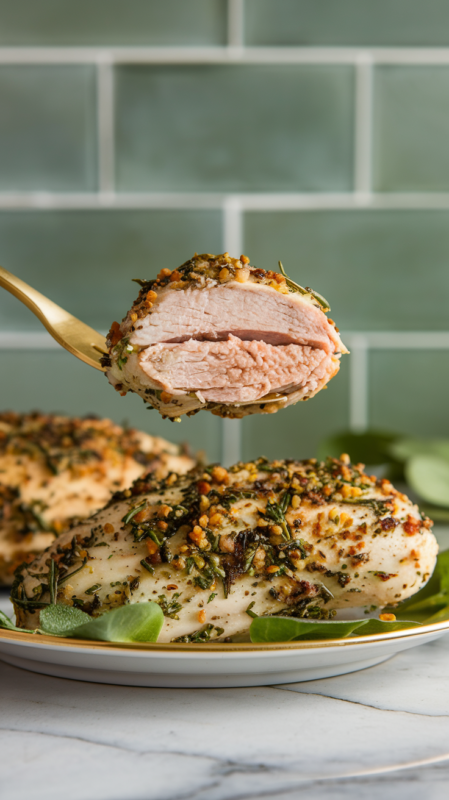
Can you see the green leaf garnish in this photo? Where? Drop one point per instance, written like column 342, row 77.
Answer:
column 287, row 629
column 61, row 620
column 139, row 622
column 428, row 475
column 8, row 624
column 372, row 447
column 405, row 448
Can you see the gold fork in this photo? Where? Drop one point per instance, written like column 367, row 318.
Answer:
column 83, row 342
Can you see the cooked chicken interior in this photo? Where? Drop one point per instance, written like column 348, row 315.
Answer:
column 219, row 334
column 56, row 470
column 296, row 538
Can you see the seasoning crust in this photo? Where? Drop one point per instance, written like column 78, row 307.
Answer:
column 219, row 546
column 56, row 470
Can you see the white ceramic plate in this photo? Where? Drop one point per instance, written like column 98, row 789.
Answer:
column 206, row 665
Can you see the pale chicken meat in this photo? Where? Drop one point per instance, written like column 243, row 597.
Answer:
column 56, row 470
column 221, row 335
column 215, row 547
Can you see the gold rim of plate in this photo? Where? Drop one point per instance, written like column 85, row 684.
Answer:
column 239, row 647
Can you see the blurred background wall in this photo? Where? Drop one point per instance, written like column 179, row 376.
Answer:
column 135, row 132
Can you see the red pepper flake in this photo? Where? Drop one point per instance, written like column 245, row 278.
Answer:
column 115, row 334
column 412, row 526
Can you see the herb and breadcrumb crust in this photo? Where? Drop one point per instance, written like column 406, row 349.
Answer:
column 222, row 335
column 217, row 547
column 56, row 470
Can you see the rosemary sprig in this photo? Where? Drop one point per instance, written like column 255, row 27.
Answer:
column 69, row 575
column 53, row 580
column 276, row 512
column 132, row 513
column 297, row 288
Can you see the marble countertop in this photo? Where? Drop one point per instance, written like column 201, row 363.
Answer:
column 382, row 732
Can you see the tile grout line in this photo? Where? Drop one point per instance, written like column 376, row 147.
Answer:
column 233, row 52
column 358, row 383
column 235, row 24
column 257, row 201
column 231, row 429
column 363, row 129
column 105, row 121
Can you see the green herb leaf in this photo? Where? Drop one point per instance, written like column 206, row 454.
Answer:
column 249, row 610
column 133, row 511
column 61, row 620
column 372, row 447
column 429, row 477
column 139, row 622
column 404, row 448
column 8, row 624
column 287, row 629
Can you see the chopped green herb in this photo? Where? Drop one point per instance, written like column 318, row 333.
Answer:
column 133, row 511
column 250, row 612
column 93, row 589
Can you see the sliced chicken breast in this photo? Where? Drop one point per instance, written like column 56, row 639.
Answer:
column 56, row 470
column 214, row 547
column 224, row 336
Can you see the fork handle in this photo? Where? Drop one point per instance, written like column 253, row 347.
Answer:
column 79, row 339
column 33, row 299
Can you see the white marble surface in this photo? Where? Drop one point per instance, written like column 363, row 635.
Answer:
column 379, row 733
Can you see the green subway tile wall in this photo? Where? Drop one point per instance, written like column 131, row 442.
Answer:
column 48, row 128
column 297, row 431
column 360, row 23
column 409, row 391
column 378, row 269
column 55, row 381
column 311, row 132
column 86, row 260
column 98, row 23
column 411, row 129
column 235, row 128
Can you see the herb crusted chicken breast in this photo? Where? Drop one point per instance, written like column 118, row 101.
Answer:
column 216, row 547
column 221, row 335
column 56, row 470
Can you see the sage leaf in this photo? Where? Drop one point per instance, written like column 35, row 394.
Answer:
column 285, row 629
column 428, row 476
column 405, row 448
column 60, row 620
column 372, row 626
column 8, row 624
column 139, row 622
column 371, row 447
